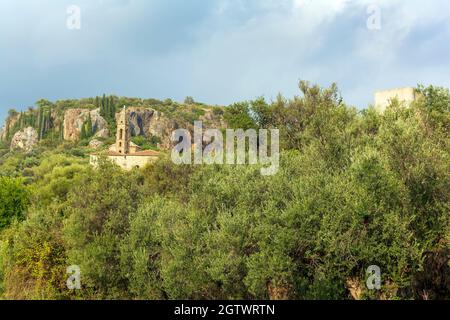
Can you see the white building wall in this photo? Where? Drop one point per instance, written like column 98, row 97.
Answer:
column 403, row 95
column 127, row 162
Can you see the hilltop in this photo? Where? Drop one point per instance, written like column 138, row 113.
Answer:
column 93, row 121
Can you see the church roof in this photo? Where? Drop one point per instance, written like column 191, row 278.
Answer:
column 146, row 153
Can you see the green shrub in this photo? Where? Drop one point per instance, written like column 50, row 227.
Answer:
column 13, row 200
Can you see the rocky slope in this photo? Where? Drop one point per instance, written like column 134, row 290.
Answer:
column 25, row 139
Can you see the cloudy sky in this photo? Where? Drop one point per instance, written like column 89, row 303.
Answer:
column 219, row 51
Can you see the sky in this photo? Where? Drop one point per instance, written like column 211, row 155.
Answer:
column 218, row 51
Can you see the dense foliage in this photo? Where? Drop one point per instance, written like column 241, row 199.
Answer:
column 354, row 189
column 13, row 200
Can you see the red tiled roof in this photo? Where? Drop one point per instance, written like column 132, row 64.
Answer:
column 146, row 153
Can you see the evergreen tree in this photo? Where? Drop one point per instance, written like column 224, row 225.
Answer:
column 113, row 108
column 107, row 109
column 39, row 119
column 104, row 100
column 89, row 129
column 41, row 129
column 30, row 113
column 83, row 132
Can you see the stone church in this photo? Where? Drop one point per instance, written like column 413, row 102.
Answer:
column 125, row 153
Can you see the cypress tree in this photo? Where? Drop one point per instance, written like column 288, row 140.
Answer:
column 42, row 126
column 112, row 111
column 48, row 121
column 102, row 107
column 106, row 109
column 89, row 130
column 83, row 132
column 38, row 120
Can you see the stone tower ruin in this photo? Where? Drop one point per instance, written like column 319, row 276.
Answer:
column 403, row 95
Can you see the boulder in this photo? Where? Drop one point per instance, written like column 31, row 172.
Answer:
column 95, row 144
column 103, row 133
column 25, row 139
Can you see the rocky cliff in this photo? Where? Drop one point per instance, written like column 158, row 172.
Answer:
column 75, row 118
column 9, row 123
column 151, row 123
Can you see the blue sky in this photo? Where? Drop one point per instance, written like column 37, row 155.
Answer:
column 218, row 51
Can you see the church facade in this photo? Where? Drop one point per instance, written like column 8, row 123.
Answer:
column 125, row 153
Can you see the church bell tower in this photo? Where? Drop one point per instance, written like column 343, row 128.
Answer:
column 123, row 133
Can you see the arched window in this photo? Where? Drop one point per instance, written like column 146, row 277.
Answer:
column 121, row 133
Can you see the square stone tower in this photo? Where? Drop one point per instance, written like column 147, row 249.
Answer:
column 403, row 95
column 123, row 136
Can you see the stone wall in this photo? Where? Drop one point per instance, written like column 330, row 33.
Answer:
column 127, row 162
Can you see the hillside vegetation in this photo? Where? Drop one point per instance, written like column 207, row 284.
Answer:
column 47, row 117
column 354, row 189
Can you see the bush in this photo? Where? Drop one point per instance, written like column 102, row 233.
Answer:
column 13, row 200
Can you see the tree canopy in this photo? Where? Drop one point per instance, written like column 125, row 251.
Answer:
column 354, row 189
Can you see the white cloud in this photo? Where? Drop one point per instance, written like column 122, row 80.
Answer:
column 219, row 50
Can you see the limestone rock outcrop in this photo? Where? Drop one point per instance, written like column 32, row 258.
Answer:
column 75, row 118
column 25, row 139
column 95, row 144
column 10, row 123
column 2, row 133
column 148, row 122
column 162, row 127
column 103, row 133
column 140, row 120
